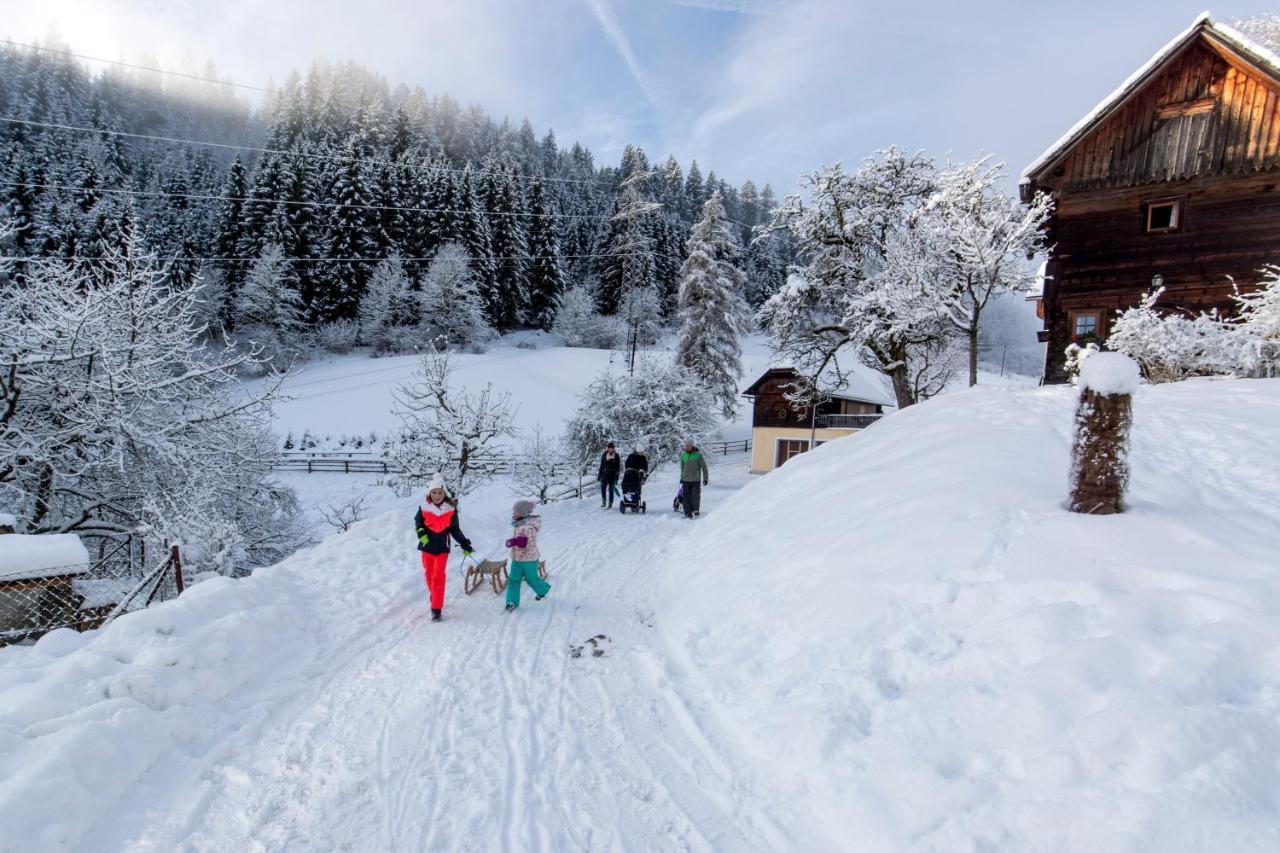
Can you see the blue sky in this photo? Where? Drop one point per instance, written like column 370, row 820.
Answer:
column 764, row 89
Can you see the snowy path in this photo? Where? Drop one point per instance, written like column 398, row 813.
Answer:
column 482, row 732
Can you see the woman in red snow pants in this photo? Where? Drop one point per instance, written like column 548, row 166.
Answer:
column 437, row 522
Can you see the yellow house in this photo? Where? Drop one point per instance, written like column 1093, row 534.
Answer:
column 780, row 429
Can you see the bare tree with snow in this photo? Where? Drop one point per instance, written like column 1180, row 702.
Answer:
column 448, row 430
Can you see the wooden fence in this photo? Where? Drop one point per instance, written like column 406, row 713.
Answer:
column 366, row 462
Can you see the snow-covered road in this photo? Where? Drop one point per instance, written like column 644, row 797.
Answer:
column 384, row 731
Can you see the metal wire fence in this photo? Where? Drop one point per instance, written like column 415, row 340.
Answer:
column 84, row 595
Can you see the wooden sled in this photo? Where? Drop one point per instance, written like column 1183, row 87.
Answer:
column 495, row 571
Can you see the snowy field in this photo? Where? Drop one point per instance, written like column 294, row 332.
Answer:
column 353, row 394
column 898, row 642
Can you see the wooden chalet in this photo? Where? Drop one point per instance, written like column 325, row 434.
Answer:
column 1173, row 181
column 781, row 429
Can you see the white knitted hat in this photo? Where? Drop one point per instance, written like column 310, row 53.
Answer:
column 437, row 482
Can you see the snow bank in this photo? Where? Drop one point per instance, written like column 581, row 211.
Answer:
column 922, row 650
column 8, row 520
column 23, row 556
column 1109, row 373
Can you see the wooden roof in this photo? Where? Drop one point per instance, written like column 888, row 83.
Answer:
column 861, row 391
column 1205, row 103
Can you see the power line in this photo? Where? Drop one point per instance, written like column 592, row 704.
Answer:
column 284, row 152
column 181, row 74
column 314, row 260
column 328, row 204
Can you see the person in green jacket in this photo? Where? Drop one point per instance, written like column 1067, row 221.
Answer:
column 693, row 476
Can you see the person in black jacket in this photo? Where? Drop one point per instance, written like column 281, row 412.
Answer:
column 639, row 460
column 610, row 469
column 436, row 522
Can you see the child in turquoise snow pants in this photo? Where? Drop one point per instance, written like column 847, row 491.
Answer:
column 524, row 554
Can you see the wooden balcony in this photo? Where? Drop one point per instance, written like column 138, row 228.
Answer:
column 847, row 422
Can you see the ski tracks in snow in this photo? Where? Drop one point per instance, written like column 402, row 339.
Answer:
column 483, row 732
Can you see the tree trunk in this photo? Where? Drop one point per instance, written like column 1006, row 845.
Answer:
column 902, row 385
column 973, row 355
column 1100, row 453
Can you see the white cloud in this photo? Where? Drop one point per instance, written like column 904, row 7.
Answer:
column 617, row 37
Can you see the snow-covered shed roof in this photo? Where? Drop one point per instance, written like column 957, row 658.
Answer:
column 862, row 385
column 1223, row 37
column 26, row 557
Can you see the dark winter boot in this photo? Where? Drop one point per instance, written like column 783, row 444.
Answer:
column 510, row 607
column 436, row 615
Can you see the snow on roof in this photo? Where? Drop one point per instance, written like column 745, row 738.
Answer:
column 8, row 520
column 1037, row 289
column 1202, row 24
column 862, row 384
column 26, row 557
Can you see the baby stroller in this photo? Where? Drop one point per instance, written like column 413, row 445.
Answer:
column 678, row 504
column 632, row 487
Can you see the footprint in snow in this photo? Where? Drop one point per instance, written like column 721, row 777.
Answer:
column 596, row 644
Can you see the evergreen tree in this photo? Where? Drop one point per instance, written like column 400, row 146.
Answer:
column 450, row 302
column 269, row 307
column 713, row 314
column 387, row 306
column 506, row 303
column 546, row 279
column 350, row 242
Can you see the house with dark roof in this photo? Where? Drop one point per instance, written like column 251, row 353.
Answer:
column 1173, row 181
column 781, row 429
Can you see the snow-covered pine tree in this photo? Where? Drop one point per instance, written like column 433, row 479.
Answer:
column 579, row 324
column 350, row 240
column 449, row 301
column 504, row 203
column 474, row 235
column 713, row 315
column 446, row 430
column 269, row 308
column 387, row 307
column 546, row 278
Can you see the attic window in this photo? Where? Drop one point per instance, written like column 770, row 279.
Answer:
column 1164, row 215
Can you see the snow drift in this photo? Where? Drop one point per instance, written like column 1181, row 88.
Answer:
column 924, row 651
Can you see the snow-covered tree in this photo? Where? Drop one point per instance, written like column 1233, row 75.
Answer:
column 658, row 406
column 862, row 289
column 974, row 241
column 387, row 307
column 449, row 301
column 158, row 439
column 447, row 430
column 541, row 468
column 581, row 325
column 641, row 316
column 545, row 277
column 713, row 315
column 269, row 307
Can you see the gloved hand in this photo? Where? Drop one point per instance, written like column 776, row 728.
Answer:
column 706, row 482
column 466, row 552
column 423, row 540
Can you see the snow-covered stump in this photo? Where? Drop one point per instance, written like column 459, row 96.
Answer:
column 1100, row 451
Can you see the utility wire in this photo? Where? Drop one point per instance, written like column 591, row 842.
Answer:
column 181, row 74
column 314, row 260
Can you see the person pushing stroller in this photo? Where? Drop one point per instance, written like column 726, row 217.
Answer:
column 635, row 473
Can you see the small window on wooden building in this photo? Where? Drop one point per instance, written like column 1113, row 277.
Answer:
column 1164, row 215
column 1085, row 325
column 788, row 448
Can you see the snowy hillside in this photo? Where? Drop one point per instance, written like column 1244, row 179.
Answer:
column 919, row 649
column 898, row 642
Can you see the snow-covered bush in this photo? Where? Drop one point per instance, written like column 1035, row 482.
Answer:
column 1258, row 326
column 1170, row 346
column 338, row 337
column 657, row 407
column 1076, row 356
column 450, row 303
column 581, row 325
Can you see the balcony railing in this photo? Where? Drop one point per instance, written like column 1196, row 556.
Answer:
column 849, row 422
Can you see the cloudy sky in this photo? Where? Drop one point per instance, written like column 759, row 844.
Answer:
column 763, row 89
